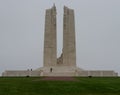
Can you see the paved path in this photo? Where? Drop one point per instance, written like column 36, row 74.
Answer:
column 59, row 78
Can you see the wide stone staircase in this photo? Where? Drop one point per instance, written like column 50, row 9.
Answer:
column 59, row 71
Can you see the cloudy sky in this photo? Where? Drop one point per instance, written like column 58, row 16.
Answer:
column 97, row 33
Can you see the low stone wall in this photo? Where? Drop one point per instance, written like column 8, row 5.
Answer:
column 22, row 73
column 61, row 71
column 97, row 73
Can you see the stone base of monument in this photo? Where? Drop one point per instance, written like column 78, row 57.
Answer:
column 75, row 71
column 60, row 71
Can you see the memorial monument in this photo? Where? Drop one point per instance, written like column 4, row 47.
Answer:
column 65, row 65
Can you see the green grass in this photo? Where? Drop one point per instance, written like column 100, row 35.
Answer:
column 36, row 86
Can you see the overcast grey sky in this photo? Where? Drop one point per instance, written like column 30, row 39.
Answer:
column 97, row 33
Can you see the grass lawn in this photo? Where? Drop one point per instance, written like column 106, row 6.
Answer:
column 81, row 86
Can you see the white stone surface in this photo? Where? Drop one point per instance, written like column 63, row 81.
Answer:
column 50, row 48
column 69, row 45
column 19, row 73
column 61, row 71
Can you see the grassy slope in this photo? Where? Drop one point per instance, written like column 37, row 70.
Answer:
column 36, row 86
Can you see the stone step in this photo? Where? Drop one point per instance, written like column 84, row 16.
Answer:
column 59, row 74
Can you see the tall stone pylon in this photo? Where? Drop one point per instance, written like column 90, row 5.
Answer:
column 69, row 45
column 50, row 47
column 68, row 56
